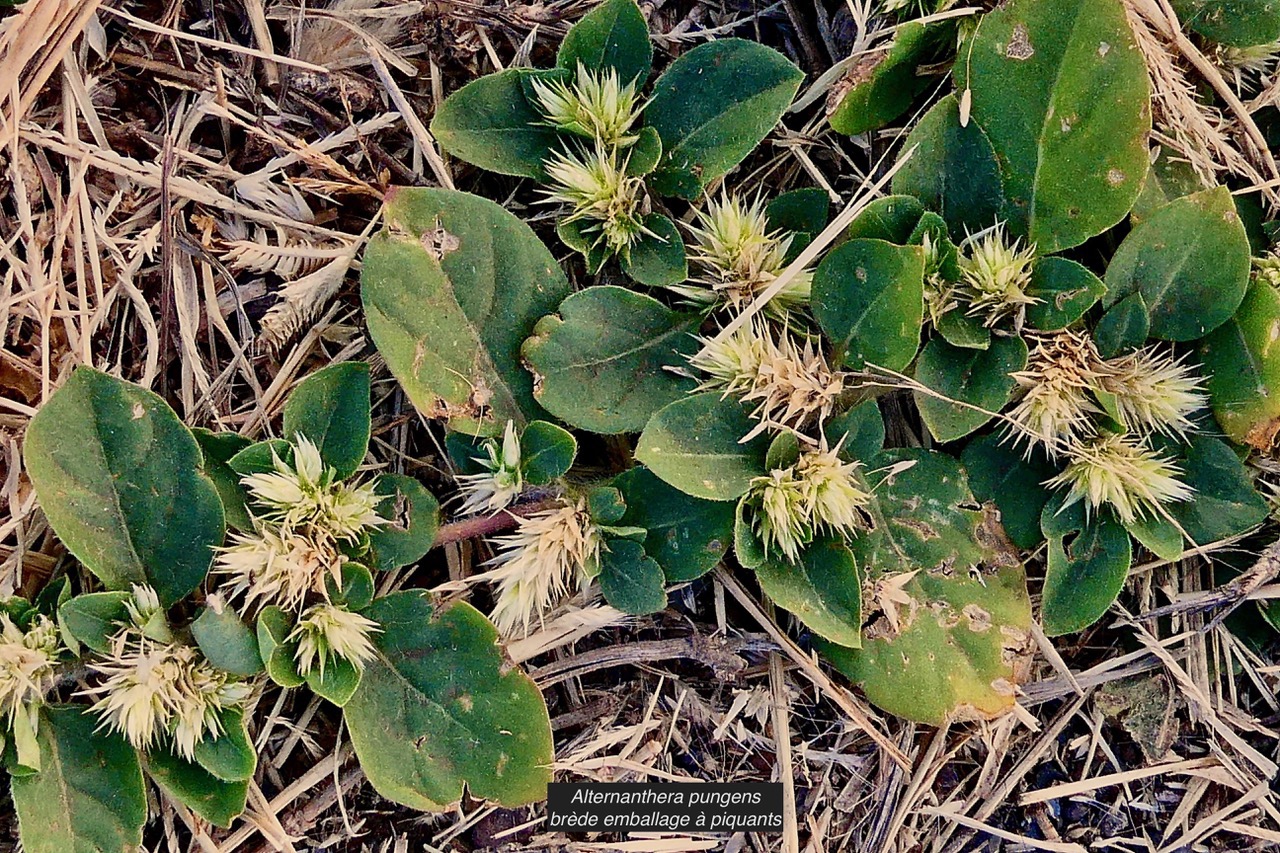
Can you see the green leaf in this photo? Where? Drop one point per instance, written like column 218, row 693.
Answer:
column 491, row 124
column 1065, row 290
column 800, row 214
column 612, row 35
column 859, row 432
column 1061, row 90
column 658, row 258
column 601, row 362
column 230, row 756
column 595, row 253
column 893, row 219
column 1190, row 262
column 337, row 682
column 948, row 631
column 961, row 330
column 868, row 296
column 331, row 408
column 1124, row 327
column 276, row 651
column 218, row 448
column 881, row 85
column 1084, row 576
column 1235, row 23
column 686, row 536
column 1000, row 475
column 645, row 154
column 438, row 709
column 211, row 798
column 1169, row 177
column 923, row 514
column 1243, row 368
column 260, row 457
column 693, row 444
column 630, row 579
column 414, row 516
column 354, row 590
column 1158, row 535
column 450, row 327
column 981, row 378
column 94, row 618
column 119, row 478
column 954, row 170
column 546, row 453
column 712, row 106
column 606, row 505
column 823, row 590
column 1058, row 518
column 1225, row 503
column 226, row 641
column 88, row 796
column 747, row 546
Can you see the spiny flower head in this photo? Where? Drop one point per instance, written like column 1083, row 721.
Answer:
column 308, row 495
column 536, row 565
column 819, row 492
column 276, row 566
column 995, row 276
column 326, row 631
column 1057, row 405
column 1154, row 390
column 151, row 689
column 595, row 105
column 1249, row 65
column 501, row 482
column 28, row 659
column 740, row 257
column 939, row 294
column 601, row 194
column 789, row 383
column 1120, row 472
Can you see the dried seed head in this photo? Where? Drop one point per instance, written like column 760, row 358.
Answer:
column 536, row 566
column 325, row 631
column 790, row 384
column 1154, row 390
column 501, row 481
column 306, row 495
column 996, row 275
column 276, row 566
column 820, row 492
column 603, row 197
column 595, row 105
column 1057, row 405
column 1120, row 472
column 152, row 689
column 739, row 257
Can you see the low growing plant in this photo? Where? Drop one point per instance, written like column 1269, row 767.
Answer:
column 1072, row 328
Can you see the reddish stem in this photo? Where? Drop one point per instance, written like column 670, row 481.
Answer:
column 486, row 525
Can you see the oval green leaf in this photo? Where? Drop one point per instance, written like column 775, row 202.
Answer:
column 712, row 106
column 1190, row 262
column 694, row 444
column 601, row 363
column 868, row 297
column 438, row 709
column 119, row 478
column 981, row 382
column 331, row 408
column 491, row 124
column 451, row 290
column 1061, row 90
column 823, row 590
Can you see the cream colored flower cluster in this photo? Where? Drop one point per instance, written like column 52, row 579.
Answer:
column 154, row 687
column 294, row 554
column 1067, row 389
column 605, row 201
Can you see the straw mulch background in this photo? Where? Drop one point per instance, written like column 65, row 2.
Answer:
column 185, row 191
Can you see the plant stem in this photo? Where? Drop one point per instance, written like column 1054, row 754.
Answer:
column 486, row 525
